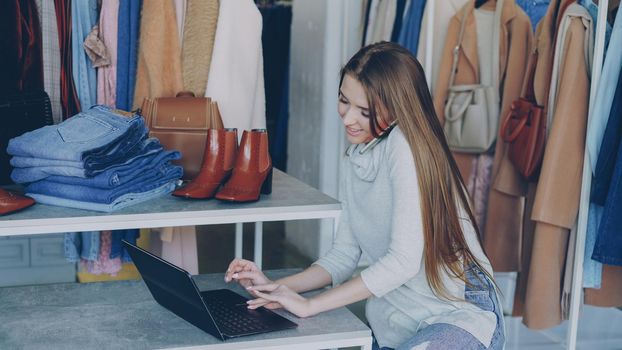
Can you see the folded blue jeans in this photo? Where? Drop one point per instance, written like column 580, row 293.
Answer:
column 117, row 152
column 120, row 203
column 149, row 179
column 85, row 137
column 122, row 175
column 35, row 169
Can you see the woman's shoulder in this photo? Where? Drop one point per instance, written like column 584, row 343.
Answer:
column 397, row 145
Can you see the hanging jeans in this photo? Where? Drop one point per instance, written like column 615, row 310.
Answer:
column 116, row 247
column 608, row 248
column 83, row 245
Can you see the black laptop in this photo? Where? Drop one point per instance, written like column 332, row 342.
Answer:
column 220, row 312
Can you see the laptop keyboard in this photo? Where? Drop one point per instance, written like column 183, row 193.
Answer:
column 232, row 321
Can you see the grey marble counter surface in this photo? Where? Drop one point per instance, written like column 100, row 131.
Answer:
column 123, row 315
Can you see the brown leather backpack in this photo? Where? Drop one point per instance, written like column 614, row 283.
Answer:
column 181, row 123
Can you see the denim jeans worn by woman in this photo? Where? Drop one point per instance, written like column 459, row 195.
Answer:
column 124, row 201
column 26, row 169
column 89, row 135
column 481, row 293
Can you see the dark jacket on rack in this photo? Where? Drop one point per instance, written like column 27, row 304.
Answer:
column 69, row 96
column 21, row 60
column 607, row 189
column 607, row 186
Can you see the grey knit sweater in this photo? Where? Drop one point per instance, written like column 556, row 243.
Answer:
column 381, row 218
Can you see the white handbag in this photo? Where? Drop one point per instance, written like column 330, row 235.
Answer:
column 472, row 111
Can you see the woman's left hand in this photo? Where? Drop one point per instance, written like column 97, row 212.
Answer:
column 281, row 294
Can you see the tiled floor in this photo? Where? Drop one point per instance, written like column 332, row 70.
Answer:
column 599, row 329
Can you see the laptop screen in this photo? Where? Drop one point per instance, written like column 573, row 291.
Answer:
column 173, row 288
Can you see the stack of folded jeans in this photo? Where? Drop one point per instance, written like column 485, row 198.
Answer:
column 98, row 160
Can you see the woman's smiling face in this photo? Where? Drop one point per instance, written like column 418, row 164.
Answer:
column 354, row 110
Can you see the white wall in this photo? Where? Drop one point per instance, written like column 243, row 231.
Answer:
column 325, row 33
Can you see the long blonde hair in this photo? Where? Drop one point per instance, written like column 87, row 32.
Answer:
column 395, row 84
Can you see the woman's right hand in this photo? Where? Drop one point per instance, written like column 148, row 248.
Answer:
column 246, row 273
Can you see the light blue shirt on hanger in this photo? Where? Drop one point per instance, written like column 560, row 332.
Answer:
column 595, row 131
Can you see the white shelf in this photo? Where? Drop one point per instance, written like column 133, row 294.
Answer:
column 290, row 200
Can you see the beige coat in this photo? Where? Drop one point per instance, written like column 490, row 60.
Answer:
column 158, row 73
column 556, row 202
column 514, row 49
column 198, row 43
column 443, row 13
column 513, row 253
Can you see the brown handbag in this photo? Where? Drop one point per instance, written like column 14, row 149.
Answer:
column 524, row 130
column 181, row 123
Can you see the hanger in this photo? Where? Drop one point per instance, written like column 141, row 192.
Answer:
column 479, row 3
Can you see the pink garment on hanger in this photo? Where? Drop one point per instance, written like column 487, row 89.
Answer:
column 177, row 245
column 478, row 186
column 103, row 265
column 107, row 75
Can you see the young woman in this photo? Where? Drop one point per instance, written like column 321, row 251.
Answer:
column 429, row 284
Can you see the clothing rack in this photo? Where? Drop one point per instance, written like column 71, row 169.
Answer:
column 577, row 271
column 576, row 295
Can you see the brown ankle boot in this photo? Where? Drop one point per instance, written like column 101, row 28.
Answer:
column 218, row 161
column 253, row 169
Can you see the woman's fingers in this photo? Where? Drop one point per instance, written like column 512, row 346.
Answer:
column 271, row 287
column 259, row 302
column 247, row 275
column 266, row 296
column 273, row 306
column 238, row 265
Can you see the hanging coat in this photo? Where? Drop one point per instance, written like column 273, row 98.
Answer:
column 159, row 55
column 514, row 50
column 556, row 202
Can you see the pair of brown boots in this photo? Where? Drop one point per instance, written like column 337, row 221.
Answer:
column 245, row 173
